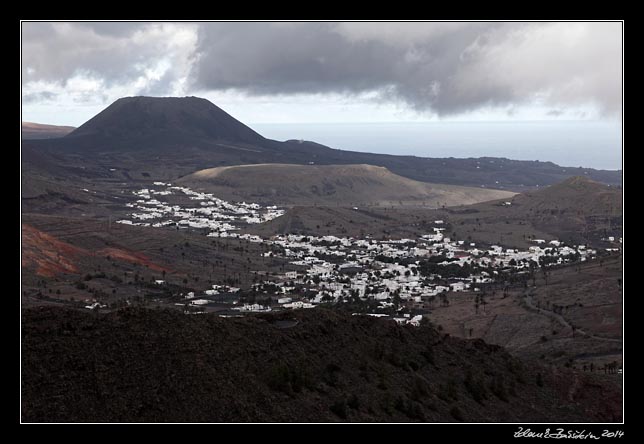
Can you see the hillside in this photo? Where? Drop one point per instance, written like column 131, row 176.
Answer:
column 331, row 185
column 573, row 316
column 308, row 366
column 577, row 194
column 577, row 210
column 46, row 254
column 31, row 130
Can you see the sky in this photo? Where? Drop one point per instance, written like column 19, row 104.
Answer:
column 325, row 72
column 324, row 81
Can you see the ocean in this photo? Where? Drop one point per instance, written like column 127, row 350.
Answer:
column 591, row 144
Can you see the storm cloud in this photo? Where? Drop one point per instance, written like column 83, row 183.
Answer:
column 113, row 54
column 444, row 68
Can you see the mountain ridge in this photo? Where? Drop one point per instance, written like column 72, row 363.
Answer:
column 166, row 138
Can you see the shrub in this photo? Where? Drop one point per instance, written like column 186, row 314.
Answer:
column 420, row 389
column 339, row 408
column 394, row 359
column 498, row 388
column 428, row 354
column 449, row 391
column 456, row 413
column 330, row 375
column 287, row 379
column 476, row 387
column 539, row 380
column 410, row 408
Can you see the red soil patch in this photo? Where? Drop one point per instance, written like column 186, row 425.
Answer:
column 50, row 256
column 130, row 256
column 47, row 254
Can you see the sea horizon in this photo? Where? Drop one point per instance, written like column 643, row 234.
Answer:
column 567, row 143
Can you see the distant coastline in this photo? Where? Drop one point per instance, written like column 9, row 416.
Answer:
column 588, row 144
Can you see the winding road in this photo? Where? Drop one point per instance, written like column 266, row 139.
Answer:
column 551, row 314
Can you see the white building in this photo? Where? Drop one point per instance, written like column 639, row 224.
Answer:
column 298, row 305
column 458, row 286
column 200, row 302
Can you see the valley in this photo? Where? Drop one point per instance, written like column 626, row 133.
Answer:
column 172, row 210
column 403, row 278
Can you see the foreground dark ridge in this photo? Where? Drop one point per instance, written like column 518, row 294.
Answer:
column 310, row 366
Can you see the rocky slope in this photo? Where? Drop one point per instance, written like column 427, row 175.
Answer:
column 309, row 366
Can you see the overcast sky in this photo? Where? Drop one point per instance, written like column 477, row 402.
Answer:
column 328, row 72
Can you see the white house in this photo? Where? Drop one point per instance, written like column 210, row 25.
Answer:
column 415, row 321
column 298, row 304
column 252, row 308
column 458, row 286
column 200, row 302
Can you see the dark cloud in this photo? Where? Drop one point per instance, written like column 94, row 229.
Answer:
column 445, row 68
column 267, row 58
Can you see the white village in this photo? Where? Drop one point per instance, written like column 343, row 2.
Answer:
column 391, row 274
